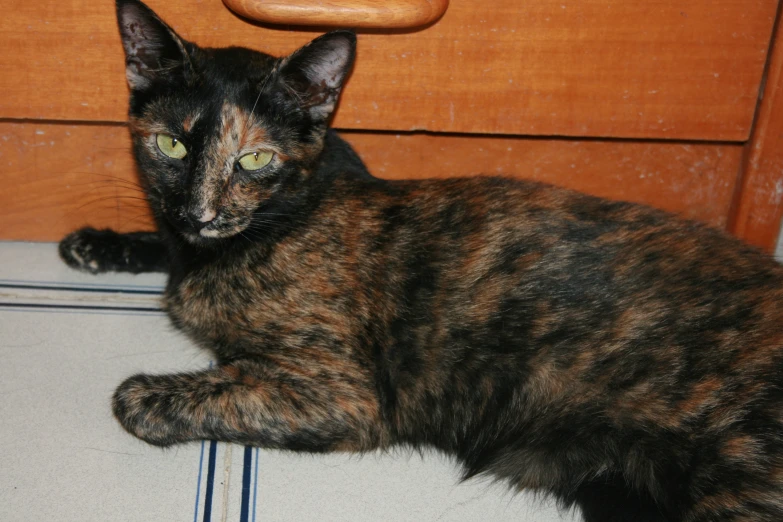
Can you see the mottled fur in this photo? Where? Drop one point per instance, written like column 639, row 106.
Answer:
column 604, row 352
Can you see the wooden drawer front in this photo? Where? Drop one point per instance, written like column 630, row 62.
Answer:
column 60, row 177
column 687, row 69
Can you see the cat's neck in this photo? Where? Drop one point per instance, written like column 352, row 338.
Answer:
column 338, row 159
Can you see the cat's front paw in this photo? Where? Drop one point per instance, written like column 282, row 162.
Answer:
column 88, row 249
column 141, row 406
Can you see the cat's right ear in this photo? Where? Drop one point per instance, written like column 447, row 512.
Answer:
column 315, row 74
column 153, row 51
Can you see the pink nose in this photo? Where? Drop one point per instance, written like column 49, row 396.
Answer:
column 200, row 218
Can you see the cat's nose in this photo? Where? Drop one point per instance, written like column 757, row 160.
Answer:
column 200, row 218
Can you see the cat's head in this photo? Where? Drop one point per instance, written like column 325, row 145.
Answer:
column 221, row 133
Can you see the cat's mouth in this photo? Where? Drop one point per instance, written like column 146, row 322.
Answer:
column 207, row 236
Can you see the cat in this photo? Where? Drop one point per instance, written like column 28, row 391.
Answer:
column 613, row 356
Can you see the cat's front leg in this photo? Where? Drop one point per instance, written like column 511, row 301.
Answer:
column 251, row 403
column 97, row 251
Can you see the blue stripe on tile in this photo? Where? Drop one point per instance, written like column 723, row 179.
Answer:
column 79, row 288
column 210, row 481
column 248, row 461
column 105, row 286
column 198, row 482
column 46, row 306
column 255, row 487
column 81, row 312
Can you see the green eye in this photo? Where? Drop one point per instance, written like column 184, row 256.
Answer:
column 255, row 160
column 171, row 147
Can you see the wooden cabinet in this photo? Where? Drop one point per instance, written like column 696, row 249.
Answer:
column 654, row 101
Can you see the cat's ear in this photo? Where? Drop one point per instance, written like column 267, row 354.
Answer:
column 153, row 50
column 316, row 72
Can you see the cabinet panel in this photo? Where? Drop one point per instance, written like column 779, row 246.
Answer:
column 675, row 69
column 759, row 207
column 60, row 177
column 694, row 180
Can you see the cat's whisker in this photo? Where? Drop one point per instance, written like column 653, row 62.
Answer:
column 111, row 180
column 268, row 221
column 118, row 179
column 279, row 214
column 108, row 185
column 263, row 84
column 267, row 227
column 258, row 231
column 121, row 197
column 103, row 147
column 135, row 198
column 140, row 217
column 104, row 175
column 247, row 237
column 113, row 199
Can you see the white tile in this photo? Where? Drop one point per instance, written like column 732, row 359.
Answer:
column 66, row 459
column 401, row 487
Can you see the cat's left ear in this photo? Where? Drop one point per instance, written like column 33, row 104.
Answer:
column 316, row 72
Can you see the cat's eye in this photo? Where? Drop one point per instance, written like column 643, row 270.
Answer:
column 171, row 146
column 255, row 160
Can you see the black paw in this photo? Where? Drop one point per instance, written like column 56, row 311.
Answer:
column 97, row 251
column 87, row 249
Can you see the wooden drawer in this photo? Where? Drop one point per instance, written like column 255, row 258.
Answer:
column 674, row 69
column 59, row 176
column 680, row 78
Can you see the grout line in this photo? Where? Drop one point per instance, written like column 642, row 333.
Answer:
column 226, row 481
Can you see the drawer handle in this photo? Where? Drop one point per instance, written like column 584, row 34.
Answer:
column 378, row 14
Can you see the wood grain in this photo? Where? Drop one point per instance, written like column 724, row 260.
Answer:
column 57, row 178
column 694, row 180
column 674, row 69
column 377, row 14
column 61, row 177
column 758, row 210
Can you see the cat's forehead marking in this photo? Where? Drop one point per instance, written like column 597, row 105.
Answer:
column 239, row 131
column 190, row 121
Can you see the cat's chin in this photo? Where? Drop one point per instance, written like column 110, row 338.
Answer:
column 199, row 241
column 209, row 238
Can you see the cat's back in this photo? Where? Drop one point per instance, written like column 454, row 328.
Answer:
column 527, row 270
column 517, row 267
column 594, row 264
column 575, row 317
column 501, row 225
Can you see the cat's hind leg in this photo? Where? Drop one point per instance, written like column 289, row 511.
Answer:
column 251, row 403
column 97, row 251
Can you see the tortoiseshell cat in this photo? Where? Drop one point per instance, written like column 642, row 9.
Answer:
column 606, row 353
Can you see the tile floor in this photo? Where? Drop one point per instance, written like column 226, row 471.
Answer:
column 67, row 339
